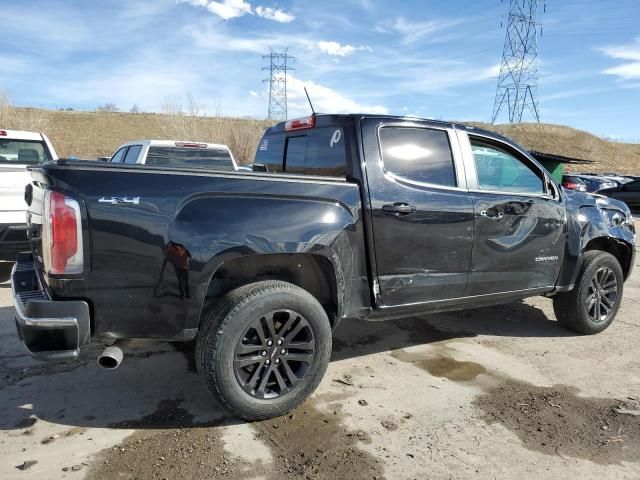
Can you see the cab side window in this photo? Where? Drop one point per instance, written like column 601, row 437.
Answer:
column 418, row 155
column 132, row 154
column 500, row 171
column 117, row 157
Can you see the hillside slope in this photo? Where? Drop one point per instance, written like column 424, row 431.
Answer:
column 93, row 134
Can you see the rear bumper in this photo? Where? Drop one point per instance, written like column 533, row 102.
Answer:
column 13, row 239
column 49, row 329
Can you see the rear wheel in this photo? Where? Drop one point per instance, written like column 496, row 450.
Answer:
column 263, row 348
column 592, row 305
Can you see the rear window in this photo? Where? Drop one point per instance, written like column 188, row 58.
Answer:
column 24, row 152
column 317, row 151
column 219, row 159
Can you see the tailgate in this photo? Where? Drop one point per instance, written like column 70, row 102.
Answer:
column 13, row 179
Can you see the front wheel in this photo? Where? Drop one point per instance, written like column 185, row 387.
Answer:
column 592, row 305
column 263, row 348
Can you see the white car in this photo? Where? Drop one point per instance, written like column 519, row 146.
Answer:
column 18, row 149
column 172, row 153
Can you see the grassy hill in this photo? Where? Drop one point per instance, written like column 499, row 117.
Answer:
column 93, row 134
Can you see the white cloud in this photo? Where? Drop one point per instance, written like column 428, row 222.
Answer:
column 253, row 93
column 275, row 14
column 414, row 31
column 325, row 99
column 631, row 53
column 228, row 9
column 628, row 71
column 334, row 48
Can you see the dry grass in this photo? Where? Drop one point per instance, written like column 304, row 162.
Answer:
column 94, row 134
column 97, row 134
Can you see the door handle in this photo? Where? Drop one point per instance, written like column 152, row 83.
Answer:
column 486, row 214
column 398, row 208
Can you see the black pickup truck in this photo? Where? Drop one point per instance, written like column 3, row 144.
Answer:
column 351, row 216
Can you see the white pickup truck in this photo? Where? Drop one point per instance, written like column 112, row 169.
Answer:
column 18, row 149
column 172, row 153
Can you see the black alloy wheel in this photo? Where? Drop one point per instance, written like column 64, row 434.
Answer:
column 602, row 295
column 274, row 354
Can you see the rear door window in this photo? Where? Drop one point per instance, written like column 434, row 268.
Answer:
column 132, row 154
column 420, row 155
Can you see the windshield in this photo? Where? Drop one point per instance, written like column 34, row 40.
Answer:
column 24, row 152
column 190, row 158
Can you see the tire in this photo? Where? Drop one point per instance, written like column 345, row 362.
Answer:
column 229, row 338
column 580, row 309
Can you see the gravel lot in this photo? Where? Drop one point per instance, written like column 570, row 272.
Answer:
column 500, row 392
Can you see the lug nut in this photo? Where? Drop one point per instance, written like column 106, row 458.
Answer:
column 277, row 361
column 264, row 353
column 280, row 342
column 283, row 351
column 268, row 362
column 269, row 343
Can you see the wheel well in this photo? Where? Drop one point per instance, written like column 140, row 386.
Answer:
column 313, row 273
column 616, row 248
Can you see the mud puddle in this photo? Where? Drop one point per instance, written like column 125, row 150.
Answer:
column 441, row 366
column 306, row 444
column 555, row 421
column 311, row 444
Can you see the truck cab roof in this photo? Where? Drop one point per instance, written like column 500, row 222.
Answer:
column 327, row 120
column 175, row 144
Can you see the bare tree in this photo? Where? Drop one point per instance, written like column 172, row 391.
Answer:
column 108, row 107
column 135, row 108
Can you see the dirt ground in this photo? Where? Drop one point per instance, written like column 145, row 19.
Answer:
column 501, row 392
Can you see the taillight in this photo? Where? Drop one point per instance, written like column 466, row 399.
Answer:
column 3, row 133
column 62, row 235
column 300, row 123
column 574, row 186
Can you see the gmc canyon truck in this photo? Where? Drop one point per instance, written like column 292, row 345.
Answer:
column 352, row 217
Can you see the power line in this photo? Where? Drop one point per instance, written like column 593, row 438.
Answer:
column 517, row 88
column 278, row 68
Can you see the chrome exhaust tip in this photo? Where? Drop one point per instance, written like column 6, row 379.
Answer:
column 111, row 357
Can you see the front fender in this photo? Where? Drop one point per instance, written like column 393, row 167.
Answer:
column 588, row 222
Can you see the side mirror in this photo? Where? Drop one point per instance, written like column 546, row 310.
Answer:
column 259, row 167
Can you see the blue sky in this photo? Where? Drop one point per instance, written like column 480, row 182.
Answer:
column 421, row 57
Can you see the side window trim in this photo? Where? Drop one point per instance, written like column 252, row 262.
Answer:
column 458, row 160
column 124, row 158
column 472, row 174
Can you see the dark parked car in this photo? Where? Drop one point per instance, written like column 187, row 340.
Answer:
column 596, row 183
column 628, row 193
column 573, row 182
column 357, row 217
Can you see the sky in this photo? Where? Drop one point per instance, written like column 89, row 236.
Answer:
column 426, row 58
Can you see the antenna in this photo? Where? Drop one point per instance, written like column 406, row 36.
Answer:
column 308, row 98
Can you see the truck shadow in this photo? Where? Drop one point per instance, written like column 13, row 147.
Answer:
column 157, row 385
column 354, row 338
column 5, row 273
